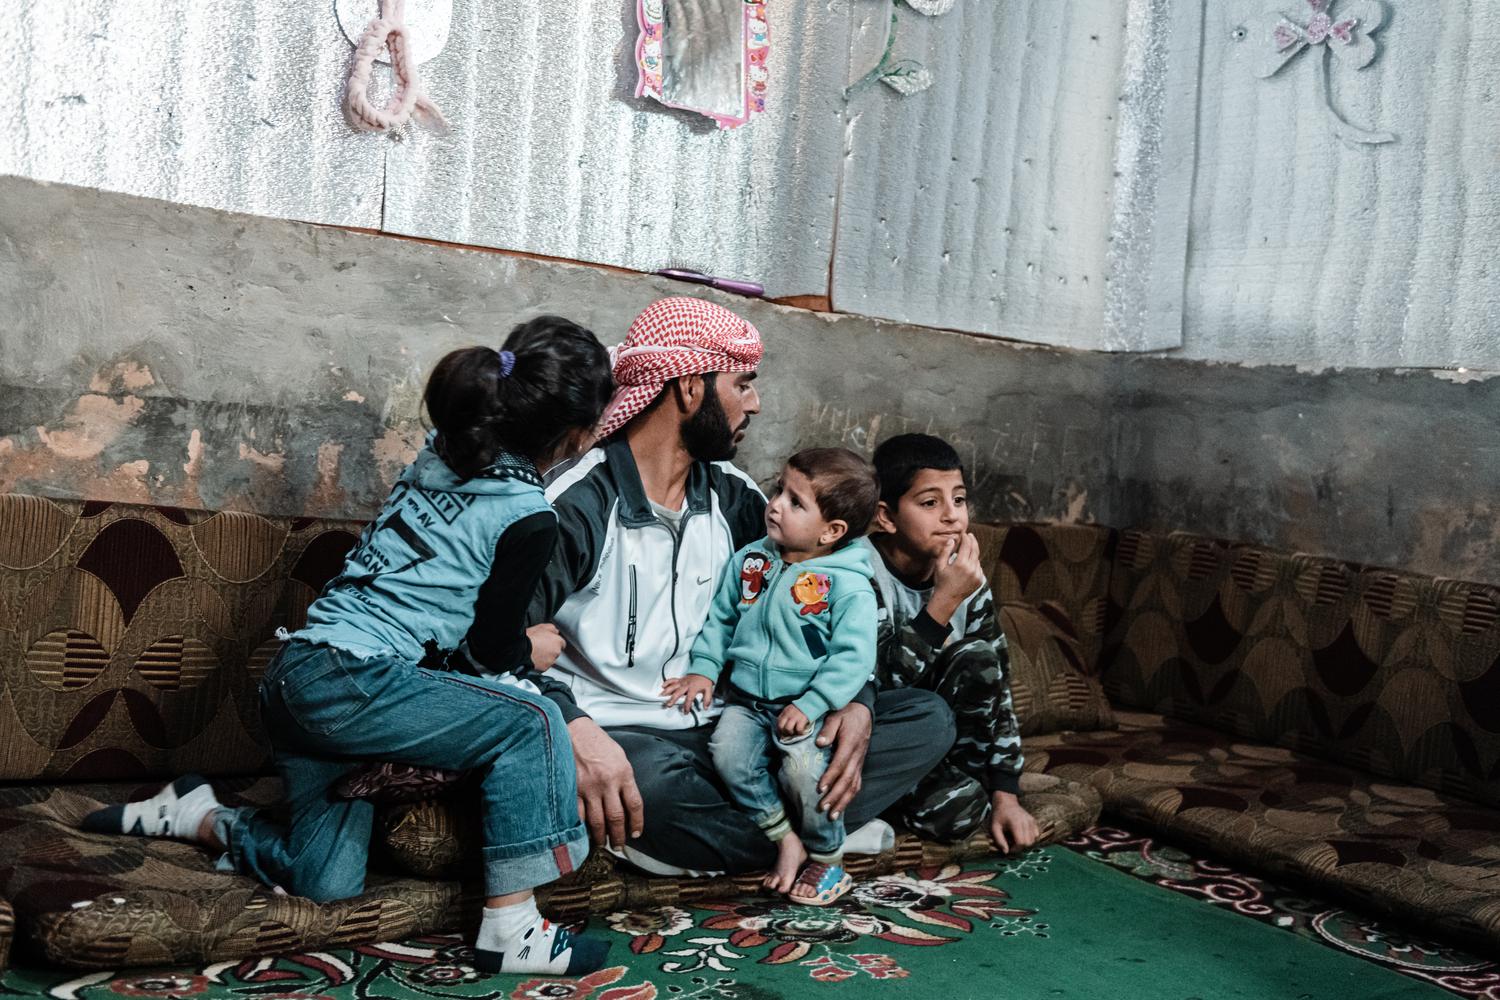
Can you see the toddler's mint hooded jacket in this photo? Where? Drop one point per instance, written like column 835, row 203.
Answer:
column 802, row 633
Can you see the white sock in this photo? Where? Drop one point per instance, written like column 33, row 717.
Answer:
column 506, row 923
column 175, row 811
column 875, row 837
column 517, row 938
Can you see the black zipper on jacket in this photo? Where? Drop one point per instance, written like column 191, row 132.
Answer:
column 672, row 595
column 630, row 629
column 630, row 626
column 677, row 537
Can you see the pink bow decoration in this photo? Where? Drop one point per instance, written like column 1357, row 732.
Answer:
column 1347, row 37
column 1344, row 36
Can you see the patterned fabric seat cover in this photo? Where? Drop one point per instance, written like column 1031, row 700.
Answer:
column 1396, row 674
column 131, row 642
column 1337, row 723
column 98, row 901
column 1397, row 849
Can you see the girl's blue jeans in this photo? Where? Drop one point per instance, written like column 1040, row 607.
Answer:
column 328, row 711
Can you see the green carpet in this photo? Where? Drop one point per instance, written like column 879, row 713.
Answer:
column 1053, row 924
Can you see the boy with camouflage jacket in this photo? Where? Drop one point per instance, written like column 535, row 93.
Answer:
column 938, row 628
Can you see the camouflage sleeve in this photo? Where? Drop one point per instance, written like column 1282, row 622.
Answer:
column 984, row 618
column 972, row 674
column 904, row 650
column 1003, row 756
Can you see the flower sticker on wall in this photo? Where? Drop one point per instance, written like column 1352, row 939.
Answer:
column 1343, row 34
column 904, row 76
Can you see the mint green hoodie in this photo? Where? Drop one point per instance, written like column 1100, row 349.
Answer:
column 800, row 631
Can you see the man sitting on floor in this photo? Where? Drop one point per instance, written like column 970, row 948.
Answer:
column 648, row 522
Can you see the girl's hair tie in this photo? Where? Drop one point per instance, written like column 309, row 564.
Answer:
column 507, row 363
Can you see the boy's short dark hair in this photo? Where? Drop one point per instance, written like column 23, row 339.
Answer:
column 899, row 459
column 844, row 486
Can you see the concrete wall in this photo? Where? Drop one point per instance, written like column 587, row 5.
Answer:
column 157, row 353
column 154, row 352
column 1390, row 468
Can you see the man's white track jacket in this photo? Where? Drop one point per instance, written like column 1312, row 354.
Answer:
column 627, row 593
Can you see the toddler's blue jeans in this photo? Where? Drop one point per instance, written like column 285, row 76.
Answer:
column 742, row 746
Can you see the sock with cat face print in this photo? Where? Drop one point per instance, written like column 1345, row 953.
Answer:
column 517, row 938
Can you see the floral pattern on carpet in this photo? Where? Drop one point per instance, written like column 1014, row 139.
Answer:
column 930, row 907
column 428, row 966
column 701, row 949
column 1377, row 941
column 875, row 935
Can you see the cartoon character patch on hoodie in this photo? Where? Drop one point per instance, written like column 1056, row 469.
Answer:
column 753, row 577
column 811, row 591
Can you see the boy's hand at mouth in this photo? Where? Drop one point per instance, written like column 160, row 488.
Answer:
column 958, row 574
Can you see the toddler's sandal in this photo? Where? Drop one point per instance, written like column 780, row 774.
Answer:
column 829, row 882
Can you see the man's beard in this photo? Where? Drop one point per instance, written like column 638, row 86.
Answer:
column 707, row 435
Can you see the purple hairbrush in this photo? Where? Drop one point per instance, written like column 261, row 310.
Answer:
column 746, row 288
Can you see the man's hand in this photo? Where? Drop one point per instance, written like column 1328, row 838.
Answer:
column 791, row 723
column 848, row 730
column 547, row 644
column 1010, row 824
column 957, row 575
column 694, row 690
column 607, row 797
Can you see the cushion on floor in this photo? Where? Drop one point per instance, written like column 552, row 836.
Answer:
column 1063, row 564
column 1049, row 683
column 1398, row 849
column 100, row 901
column 7, row 931
column 435, row 838
column 132, row 638
column 1396, row 674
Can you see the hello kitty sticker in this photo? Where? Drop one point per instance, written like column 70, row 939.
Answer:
column 705, row 56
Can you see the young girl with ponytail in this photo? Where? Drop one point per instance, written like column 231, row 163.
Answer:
column 448, row 568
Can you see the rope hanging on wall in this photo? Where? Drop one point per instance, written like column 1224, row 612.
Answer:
column 408, row 103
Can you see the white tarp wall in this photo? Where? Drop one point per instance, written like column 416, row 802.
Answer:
column 1307, row 250
column 1098, row 173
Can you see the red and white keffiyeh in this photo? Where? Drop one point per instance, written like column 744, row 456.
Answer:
column 674, row 337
